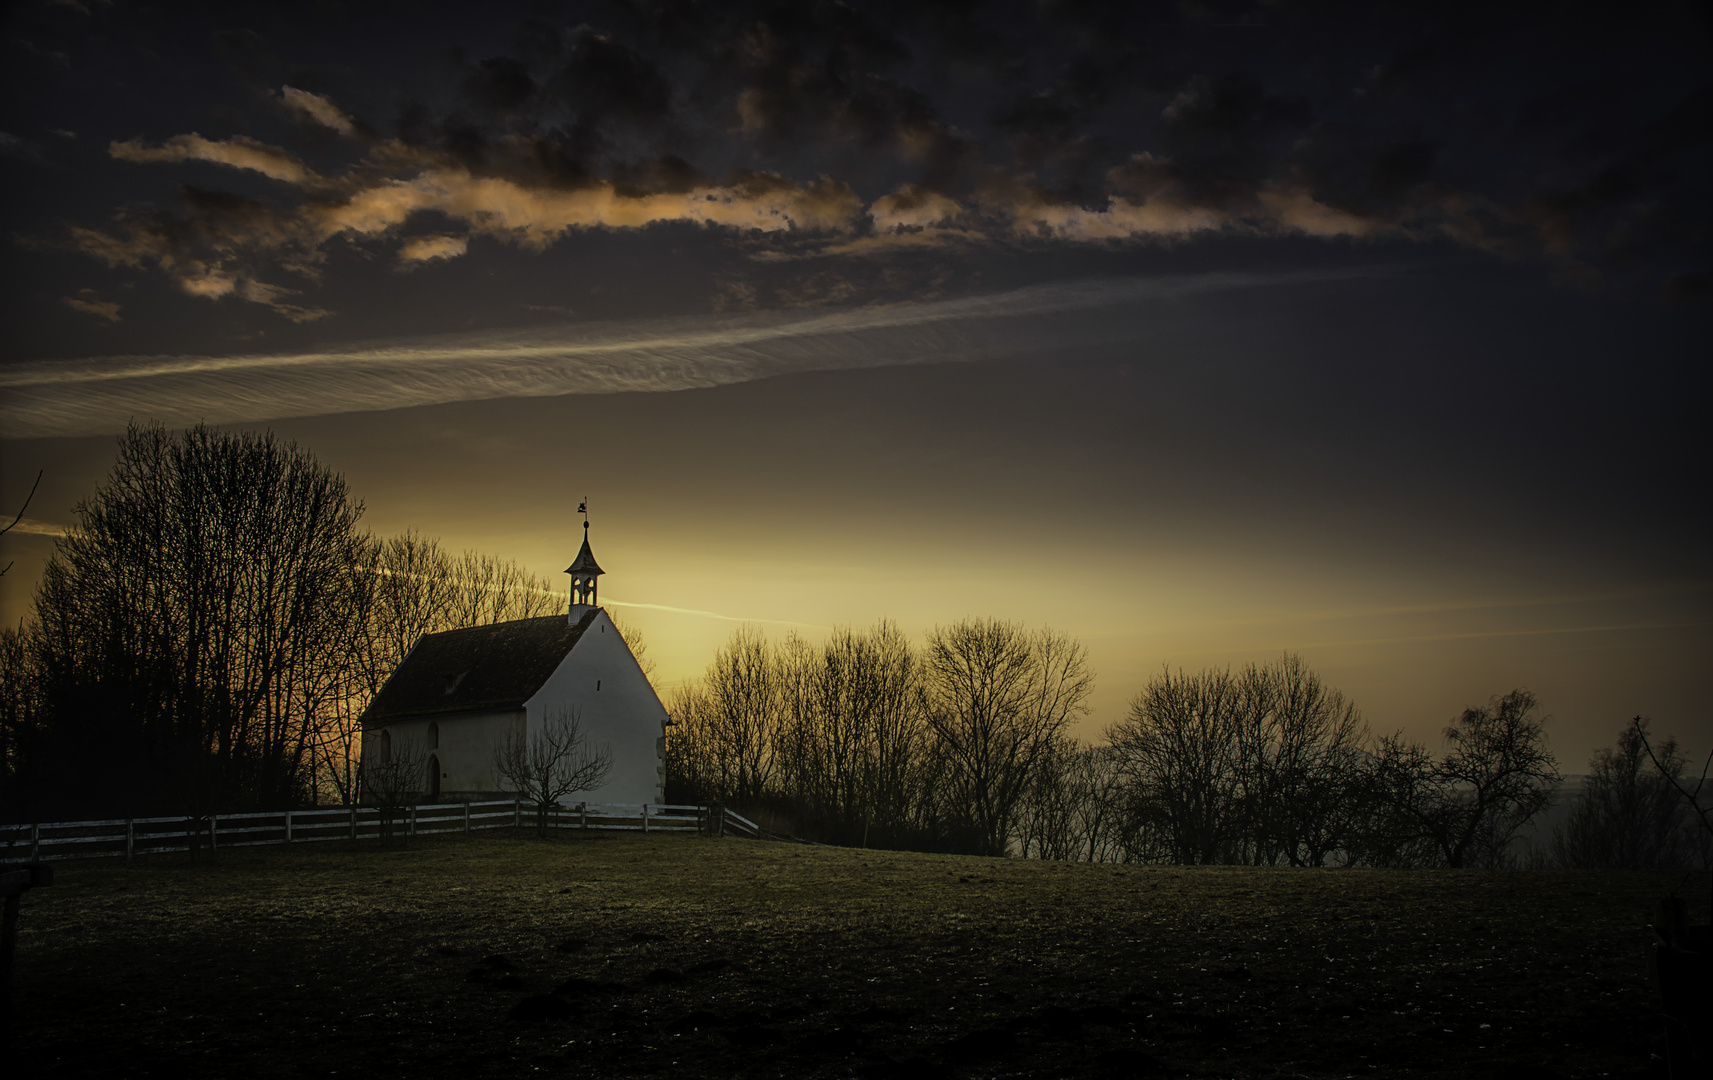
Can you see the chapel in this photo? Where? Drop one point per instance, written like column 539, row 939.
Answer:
column 458, row 693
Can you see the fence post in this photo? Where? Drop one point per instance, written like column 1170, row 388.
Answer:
column 288, row 827
column 412, row 826
column 213, row 833
column 353, row 821
column 517, row 813
column 130, row 839
column 645, row 817
column 583, row 814
column 466, row 815
column 36, row 842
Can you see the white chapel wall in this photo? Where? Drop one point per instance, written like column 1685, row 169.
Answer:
column 624, row 712
column 465, row 751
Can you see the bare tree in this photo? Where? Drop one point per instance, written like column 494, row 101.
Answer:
column 996, row 698
column 1402, row 807
column 204, row 590
column 20, row 516
column 394, row 777
column 1497, row 775
column 1072, row 809
column 738, row 714
column 1306, row 750
column 691, row 768
column 489, row 590
column 20, row 704
column 554, row 762
column 1265, row 766
column 1465, row 809
column 1691, row 795
column 852, row 729
column 1182, row 755
column 1628, row 816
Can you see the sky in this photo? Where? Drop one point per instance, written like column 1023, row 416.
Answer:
column 1200, row 332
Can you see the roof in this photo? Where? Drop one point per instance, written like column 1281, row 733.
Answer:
column 585, row 563
column 477, row 668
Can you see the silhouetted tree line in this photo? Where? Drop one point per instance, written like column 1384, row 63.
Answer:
column 207, row 635
column 867, row 740
column 962, row 744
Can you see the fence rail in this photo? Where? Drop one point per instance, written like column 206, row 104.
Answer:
column 130, row 837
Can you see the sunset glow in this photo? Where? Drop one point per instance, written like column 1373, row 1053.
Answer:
column 1197, row 342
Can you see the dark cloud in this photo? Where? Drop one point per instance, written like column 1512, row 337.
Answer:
column 499, row 85
column 1231, row 124
column 604, row 79
column 865, row 130
column 1401, row 167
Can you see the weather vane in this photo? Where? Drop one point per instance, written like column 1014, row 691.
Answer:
column 583, row 508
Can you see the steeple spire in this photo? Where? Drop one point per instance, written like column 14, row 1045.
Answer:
column 583, row 570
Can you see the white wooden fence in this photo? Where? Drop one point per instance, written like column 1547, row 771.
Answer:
column 130, row 837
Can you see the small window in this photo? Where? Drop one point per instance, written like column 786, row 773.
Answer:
column 433, row 736
column 597, row 684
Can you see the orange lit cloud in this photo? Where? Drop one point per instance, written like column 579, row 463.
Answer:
column 237, row 152
column 534, row 217
column 423, row 249
column 913, row 206
column 224, row 248
column 1152, row 198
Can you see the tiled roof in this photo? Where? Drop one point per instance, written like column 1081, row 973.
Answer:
column 477, row 669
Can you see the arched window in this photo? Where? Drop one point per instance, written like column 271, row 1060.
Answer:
column 433, row 736
column 384, row 746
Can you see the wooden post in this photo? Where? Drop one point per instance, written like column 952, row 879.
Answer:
column 583, row 814
column 412, row 827
column 130, row 839
column 645, row 817
column 517, row 813
column 213, row 833
column 288, row 827
column 35, row 842
column 466, row 816
column 353, row 821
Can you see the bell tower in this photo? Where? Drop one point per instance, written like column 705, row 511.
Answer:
column 584, row 570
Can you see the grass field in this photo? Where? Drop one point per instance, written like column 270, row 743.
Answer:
column 620, row 955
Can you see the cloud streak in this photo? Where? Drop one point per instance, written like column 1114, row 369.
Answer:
column 101, row 394
column 238, row 152
column 32, row 527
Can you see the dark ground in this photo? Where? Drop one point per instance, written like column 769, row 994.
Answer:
column 620, row 955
